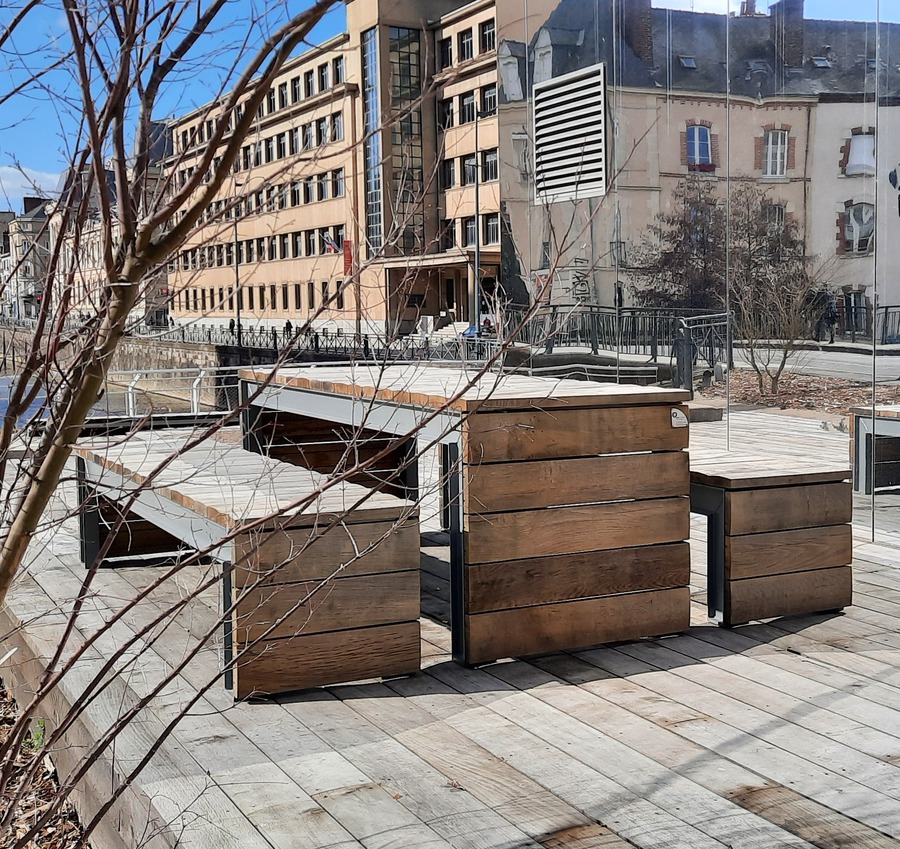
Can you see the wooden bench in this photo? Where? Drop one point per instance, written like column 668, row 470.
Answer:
column 780, row 542
column 239, row 505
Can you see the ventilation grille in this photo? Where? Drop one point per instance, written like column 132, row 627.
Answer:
column 570, row 136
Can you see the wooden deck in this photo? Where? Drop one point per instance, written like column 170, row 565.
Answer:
column 784, row 734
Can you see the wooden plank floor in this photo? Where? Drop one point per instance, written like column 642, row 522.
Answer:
column 783, row 734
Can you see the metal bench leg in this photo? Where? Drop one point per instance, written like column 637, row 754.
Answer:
column 457, row 556
column 710, row 502
column 228, row 628
column 89, row 534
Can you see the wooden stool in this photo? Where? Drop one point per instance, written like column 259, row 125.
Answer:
column 779, row 535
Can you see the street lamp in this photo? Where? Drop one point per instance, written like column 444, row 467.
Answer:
column 237, row 269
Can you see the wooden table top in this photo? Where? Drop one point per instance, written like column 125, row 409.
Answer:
column 744, row 470
column 230, row 486
column 459, row 389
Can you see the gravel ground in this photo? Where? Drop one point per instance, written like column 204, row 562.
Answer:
column 63, row 831
column 804, row 392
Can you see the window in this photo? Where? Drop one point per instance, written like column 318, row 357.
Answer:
column 337, row 70
column 492, row 229
column 490, row 165
column 281, row 145
column 323, row 76
column 445, row 53
column 297, row 244
column 337, row 127
column 308, row 190
column 775, row 153
column 309, row 84
column 469, row 169
column 309, row 242
column 282, row 95
column 283, row 248
column 269, row 144
column 321, row 131
column 467, row 108
column 688, row 63
column 448, row 234
column 249, row 297
column 273, row 300
column 295, row 90
column 270, row 101
column 469, row 232
column 774, row 217
column 270, row 199
column 325, row 241
column 337, row 183
column 325, row 293
column 245, row 157
column 445, row 114
column 465, row 45
column 489, row 100
column 310, row 295
column 262, row 297
column 487, row 36
column 257, row 153
column 858, row 227
column 298, row 301
column 322, row 187
column 699, row 146
column 339, row 297
column 338, row 236
column 820, row 62
column 307, row 136
column 448, row 173
column 294, row 141
column 861, row 156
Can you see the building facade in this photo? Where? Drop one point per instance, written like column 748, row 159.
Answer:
column 391, row 162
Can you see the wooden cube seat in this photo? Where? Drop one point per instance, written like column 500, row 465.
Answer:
column 780, row 540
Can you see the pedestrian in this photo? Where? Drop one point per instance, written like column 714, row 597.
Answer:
column 231, row 327
column 288, row 329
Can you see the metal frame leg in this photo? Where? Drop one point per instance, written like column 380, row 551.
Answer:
column 458, row 637
column 446, row 508
column 710, row 501
column 89, row 534
column 408, row 477
column 228, row 627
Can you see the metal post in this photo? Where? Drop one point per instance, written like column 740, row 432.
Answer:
column 237, row 279
column 475, row 308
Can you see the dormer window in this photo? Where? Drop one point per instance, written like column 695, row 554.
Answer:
column 861, row 161
column 688, row 62
column 821, row 62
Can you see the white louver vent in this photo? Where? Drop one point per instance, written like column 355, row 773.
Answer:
column 570, row 136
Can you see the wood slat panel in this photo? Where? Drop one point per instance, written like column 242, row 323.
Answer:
column 788, row 595
column 295, row 663
column 366, row 549
column 755, row 555
column 887, row 449
column 539, row 434
column 567, row 530
column 496, row 487
column 519, row 583
column 787, row 507
column 576, row 624
column 343, row 603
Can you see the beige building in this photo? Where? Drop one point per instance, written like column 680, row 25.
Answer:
column 353, row 203
column 23, row 262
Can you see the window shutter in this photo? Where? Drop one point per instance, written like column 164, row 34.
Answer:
column 758, row 149
column 684, row 150
column 570, row 136
column 792, row 153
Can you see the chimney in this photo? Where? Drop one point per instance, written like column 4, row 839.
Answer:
column 30, row 204
column 748, row 9
column 788, row 30
column 637, row 27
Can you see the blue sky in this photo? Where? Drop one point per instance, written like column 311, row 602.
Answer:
column 33, row 133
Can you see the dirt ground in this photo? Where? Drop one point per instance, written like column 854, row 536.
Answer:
column 831, row 395
column 63, row 831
